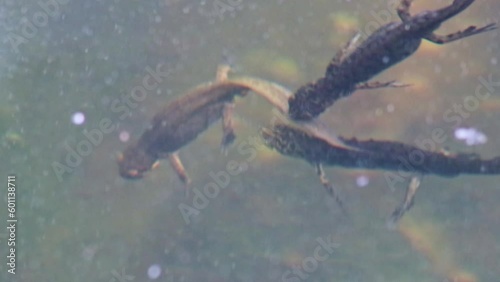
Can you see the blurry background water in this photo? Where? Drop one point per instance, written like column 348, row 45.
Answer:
column 64, row 62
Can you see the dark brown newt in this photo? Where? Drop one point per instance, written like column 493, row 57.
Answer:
column 183, row 119
column 387, row 46
column 373, row 154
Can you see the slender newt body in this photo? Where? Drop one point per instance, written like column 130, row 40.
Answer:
column 373, row 154
column 384, row 155
column 183, row 119
column 387, row 46
column 176, row 125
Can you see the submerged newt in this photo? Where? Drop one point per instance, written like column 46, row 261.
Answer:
column 387, row 46
column 183, row 119
column 372, row 154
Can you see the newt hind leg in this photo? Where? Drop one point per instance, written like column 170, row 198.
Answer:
column 471, row 30
column 407, row 202
column 179, row 169
column 228, row 135
column 329, row 187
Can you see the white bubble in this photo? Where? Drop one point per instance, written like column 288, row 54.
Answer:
column 124, row 136
column 78, row 118
column 362, row 181
column 154, row 271
column 462, row 133
column 471, row 136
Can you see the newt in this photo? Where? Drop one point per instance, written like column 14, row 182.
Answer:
column 387, row 46
column 181, row 121
column 295, row 141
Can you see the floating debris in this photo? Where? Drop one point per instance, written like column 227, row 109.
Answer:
column 14, row 139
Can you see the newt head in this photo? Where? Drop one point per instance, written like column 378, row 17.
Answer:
column 134, row 162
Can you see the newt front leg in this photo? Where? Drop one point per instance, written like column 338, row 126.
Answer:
column 179, row 169
column 329, row 187
column 407, row 203
column 378, row 84
column 228, row 135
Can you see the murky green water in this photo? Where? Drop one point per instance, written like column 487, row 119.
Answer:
column 79, row 221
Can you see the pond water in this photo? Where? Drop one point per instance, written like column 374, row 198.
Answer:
column 67, row 65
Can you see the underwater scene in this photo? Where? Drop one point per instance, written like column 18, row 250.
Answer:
column 250, row 140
